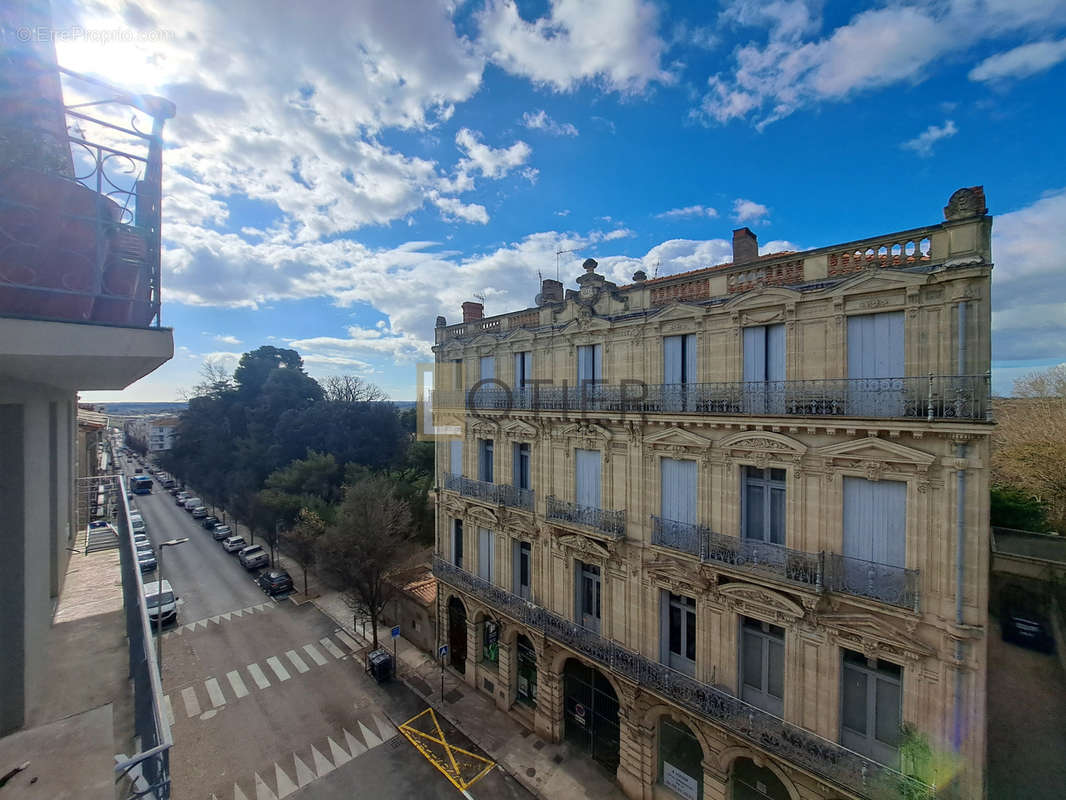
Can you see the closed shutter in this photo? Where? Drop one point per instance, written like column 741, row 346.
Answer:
column 455, row 465
column 875, row 521
column 523, row 369
column 488, row 368
column 672, row 359
column 775, row 352
column 589, row 478
column 589, row 363
column 755, row 354
column 875, row 345
column 486, row 553
column 679, row 490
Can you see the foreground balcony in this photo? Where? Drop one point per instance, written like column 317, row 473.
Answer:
column 934, row 397
column 819, row 572
column 607, row 523
column 499, row 494
column 832, row 762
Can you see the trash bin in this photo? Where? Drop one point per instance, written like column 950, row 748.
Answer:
column 379, row 664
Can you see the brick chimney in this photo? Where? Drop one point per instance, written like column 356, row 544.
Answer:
column 551, row 291
column 745, row 246
column 472, row 311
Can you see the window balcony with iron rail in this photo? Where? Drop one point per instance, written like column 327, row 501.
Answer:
column 933, row 397
column 819, row 572
column 834, row 763
column 499, row 494
column 607, row 523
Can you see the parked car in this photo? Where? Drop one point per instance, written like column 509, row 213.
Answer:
column 181, row 497
column 200, row 512
column 210, row 521
column 193, row 502
column 231, row 544
column 138, row 471
column 161, row 601
column 221, row 532
column 253, row 557
column 140, row 540
column 146, row 558
column 1024, row 622
column 275, row 581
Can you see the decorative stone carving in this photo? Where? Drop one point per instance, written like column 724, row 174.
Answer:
column 966, row 203
column 583, row 546
column 759, row 601
column 874, row 635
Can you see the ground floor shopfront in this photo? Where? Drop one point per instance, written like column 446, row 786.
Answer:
column 656, row 750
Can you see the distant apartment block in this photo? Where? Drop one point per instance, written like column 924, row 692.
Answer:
column 727, row 531
column 153, row 434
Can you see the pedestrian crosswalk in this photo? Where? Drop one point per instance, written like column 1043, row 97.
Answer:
column 282, row 778
column 214, row 690
column 218, row 619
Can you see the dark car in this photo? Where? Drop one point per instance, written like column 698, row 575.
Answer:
column 210, row 521
column 1024, row 622
column 275, row 581
column 253, row 557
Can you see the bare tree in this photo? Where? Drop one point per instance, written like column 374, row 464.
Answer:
column 215, row 379
column 349, row 389
column 371, row 539
column 302, row 540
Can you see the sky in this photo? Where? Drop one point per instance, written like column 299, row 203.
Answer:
column 340, row 173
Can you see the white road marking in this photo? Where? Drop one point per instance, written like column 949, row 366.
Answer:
column 238, row 794
column 385, row 728
column 214, row 619
column 237, row 613
column 284, row 782
column 262, row 791
column 192, row 705
column 214, row 691
column 356, row 747
column 299, row 663
column 304, row 775
column 331, row 648
column 348, row 640
column 169, row 710
column 258, row 676
column 316, row 656
column 226, row 617
column 237, row 683
column 338, row 753
column 279, row 668
column 369, row 736
column 322, row 765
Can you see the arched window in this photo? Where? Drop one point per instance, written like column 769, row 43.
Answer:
column 680, row 759
column 756, row 783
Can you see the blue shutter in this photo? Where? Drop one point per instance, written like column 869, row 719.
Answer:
column 455, row 465
column 875, row 345
column 755, row 354
column 691, row 359
column 488, row 367
column 775, row 352
column 672, row 354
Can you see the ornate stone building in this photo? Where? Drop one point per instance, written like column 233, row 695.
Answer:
column 727, row 531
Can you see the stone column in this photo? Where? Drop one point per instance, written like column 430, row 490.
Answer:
column 505, row 688
column 634, row 741
column 715, row 783
column 472, row 653
column 548, row 722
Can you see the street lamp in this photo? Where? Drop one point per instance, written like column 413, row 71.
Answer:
column 159, row 603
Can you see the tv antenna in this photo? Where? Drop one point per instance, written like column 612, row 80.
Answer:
column 557, row 254
column 658, row 261
column 480, row 297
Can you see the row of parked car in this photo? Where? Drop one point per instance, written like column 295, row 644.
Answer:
column 252, row 557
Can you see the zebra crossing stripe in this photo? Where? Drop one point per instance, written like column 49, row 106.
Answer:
column 279, row 668
column 238, row 794
column 258, row 676
column 331, row 648
column 369, row 736
column 316, row 656
column 339, row 754
column 355, row 747
column 214, row 691
column 297, row 662
column 237, row 683
column 283, row 782
column 304, row 775
column 322, row 765
column 192, row 704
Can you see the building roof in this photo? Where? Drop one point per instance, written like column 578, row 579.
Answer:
column 417, row 583
column 91, row 419
column 704, row 270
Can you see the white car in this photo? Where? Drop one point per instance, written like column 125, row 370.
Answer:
column 161, row 602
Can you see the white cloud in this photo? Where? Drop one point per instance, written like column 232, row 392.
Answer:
column 688, row 211
column 226, row 339
column 542, row 122
column 612, row 42
column 749, row 211
column 1021, row 62
column 796, row 66
column 922, row 144
column 489, row 161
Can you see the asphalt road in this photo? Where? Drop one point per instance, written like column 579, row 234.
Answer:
column 269, row 700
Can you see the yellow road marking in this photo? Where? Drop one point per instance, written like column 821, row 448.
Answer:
column 474, row 766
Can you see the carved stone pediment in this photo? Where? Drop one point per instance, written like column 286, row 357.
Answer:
column 876, row 281
column 760, row 602
column 677, row 437
column 483, row 517
column 485, row 428
column 877, row 450
column 453, row 505
column 517, row 429
column 773, row 444
column 678, row 577
column 520, row 524
column 764, row 301
column 483, row 340
column 520, row 336
column 586, row 430
column 874, row 635
column 452, row 350
column 586, row 324
column 686, row 313
column 583, row 547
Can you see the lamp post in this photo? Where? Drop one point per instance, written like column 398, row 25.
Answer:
column 159, row 603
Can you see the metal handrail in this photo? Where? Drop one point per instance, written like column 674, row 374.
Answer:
column 500, row 494
column 832, row 761
column 609, row 523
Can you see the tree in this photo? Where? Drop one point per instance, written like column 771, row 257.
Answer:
column 215, row 379
column 312, row 483
column 256, row 366
column 348, row 390
column 371, row 539
column 1012, row 508
column 1029, row 443
column 302, row 540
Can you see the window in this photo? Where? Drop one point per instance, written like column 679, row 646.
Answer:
column 871, row 708
column 679, row 490
column 679, row 359
column 486, row 554
column 523, row 568
column 457, row 542
column 487, row 368
column 588, row 477
column 680, row 759
column 875, row 520
column 764, row 369
column 527, row 670
column 763, row 505
column 589, row 365
column 484, row 463
column 457, row 368
column 490, row 641
column 875, row 355
column 678, row 632
column 762, row 665
column 523, row 370
column 455, row 457
column 521, row 465
column 588, row 595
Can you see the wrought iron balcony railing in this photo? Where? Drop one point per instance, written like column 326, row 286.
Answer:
column 834, row 763
column 935, row 397
column 609, row 523
column 500, row 494
column 80, row 194
column 831, row 572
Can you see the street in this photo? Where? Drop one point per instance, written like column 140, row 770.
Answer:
column 269, row 699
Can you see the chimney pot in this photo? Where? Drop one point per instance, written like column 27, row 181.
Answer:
column 640, row 276
column 472, row 311
column 551, row 291
column 441, row 322
column 745, row 246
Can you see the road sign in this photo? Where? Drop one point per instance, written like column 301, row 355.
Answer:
column 395, row 631
column 442, row 651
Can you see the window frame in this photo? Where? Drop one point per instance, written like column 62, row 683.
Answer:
column 767, row 635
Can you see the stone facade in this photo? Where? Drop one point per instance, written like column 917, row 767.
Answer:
column 814, row 437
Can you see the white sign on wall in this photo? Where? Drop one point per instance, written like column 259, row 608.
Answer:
column 682, row 783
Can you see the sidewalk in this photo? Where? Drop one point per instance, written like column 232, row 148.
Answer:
column 547, row 770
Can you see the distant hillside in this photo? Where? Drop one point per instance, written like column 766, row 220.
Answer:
column 138, row 409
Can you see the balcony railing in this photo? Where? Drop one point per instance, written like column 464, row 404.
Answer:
column 609, row 523
column 833, row 762
column 831, row 572
column 950, row 397
column 499, row 494
column 80, row 197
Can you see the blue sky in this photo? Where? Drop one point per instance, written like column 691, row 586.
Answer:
column 338, row 174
